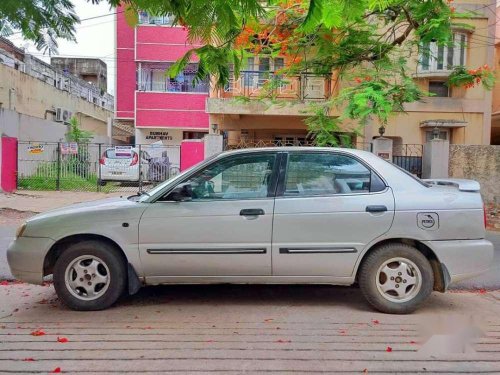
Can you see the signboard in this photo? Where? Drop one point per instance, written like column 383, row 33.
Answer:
column 35, row 148
column 124, row 151
column 69, row 148
column 159, row 136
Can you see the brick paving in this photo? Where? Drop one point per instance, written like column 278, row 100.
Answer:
column 234, row 329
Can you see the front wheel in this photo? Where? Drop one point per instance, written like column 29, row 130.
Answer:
column 396, row 278
column 90, row 275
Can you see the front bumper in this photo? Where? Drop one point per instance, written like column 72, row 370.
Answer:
column 26, row 255
column 463, row 259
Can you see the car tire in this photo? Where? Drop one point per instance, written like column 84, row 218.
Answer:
column 102, row 183
column 90, row 275
column 396, row 278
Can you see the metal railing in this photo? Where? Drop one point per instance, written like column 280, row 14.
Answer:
column 304, row 86
column 94, row 166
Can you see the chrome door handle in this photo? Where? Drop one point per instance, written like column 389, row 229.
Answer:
column 252, row 212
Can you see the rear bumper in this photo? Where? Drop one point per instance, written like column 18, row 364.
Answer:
column 26, row 255
column 463, row 259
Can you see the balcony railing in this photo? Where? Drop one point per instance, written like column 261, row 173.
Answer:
column 182, row 83
column 255, row 84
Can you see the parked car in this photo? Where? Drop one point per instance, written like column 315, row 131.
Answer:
column 126, row 167
column 275, row 215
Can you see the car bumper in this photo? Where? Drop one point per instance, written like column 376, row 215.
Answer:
column 463, row 259
column 26, row 255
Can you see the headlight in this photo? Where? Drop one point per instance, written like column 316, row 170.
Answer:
column 20, row 230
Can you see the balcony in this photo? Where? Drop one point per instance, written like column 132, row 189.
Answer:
column 303, row 88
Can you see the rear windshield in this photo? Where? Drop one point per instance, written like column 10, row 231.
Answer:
column 111, row 154
column 421, row 182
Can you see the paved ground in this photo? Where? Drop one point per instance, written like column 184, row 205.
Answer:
column 248, row 329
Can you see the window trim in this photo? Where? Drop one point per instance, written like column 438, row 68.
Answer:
column 271, row 191
column 433, row 55
column 280, row 192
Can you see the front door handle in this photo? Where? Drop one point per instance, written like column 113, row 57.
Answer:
column 252, row 212
column 376, row 208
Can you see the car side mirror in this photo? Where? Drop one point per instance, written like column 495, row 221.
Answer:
column 181, row 193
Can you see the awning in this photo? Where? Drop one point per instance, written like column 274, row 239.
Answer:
column 443, row 124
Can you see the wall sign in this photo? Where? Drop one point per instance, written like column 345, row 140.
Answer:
column 35, row 148
column 69, row 148
column 159, row 136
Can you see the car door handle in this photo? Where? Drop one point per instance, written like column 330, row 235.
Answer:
column 252, row 212
column 376, row 208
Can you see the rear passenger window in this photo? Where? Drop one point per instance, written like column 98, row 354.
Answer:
column 311, row 174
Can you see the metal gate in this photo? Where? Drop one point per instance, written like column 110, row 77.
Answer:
column 94, row 166
column 409, row 157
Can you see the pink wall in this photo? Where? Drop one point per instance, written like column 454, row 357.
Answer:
column 9, row 164
column 125, row 67
column 172, row 110
column 192, row 152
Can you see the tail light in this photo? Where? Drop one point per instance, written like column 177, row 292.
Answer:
column 135, row 159
column 485, row 214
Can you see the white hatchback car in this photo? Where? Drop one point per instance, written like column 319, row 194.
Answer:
column 276, row 215
column 116, row 167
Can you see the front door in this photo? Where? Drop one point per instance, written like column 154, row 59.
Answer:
column 328, row 207
column 224, row 229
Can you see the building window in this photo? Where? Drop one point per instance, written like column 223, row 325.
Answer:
column 154, row 77
column 193, row 135
column 439, row 89
column 436, row 58
column 443, row 134
column 147, row 19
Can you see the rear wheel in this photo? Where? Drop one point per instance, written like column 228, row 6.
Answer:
column 90, row 275
column 396, row 278
column 102, row 183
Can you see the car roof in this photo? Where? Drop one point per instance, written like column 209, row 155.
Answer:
column 298, row 148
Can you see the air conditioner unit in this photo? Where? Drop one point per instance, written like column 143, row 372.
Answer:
column 63, row 115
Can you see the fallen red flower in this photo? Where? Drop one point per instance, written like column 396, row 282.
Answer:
column 388, row 349
column 56, row 370
column 29, row 360
column 62, row 339
column 283, row 341
column 375, row 321
column 38, row 332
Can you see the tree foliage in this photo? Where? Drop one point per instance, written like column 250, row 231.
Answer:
column 369, row 44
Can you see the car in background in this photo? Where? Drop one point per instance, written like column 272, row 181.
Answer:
column 115, row 166
column 285, row 215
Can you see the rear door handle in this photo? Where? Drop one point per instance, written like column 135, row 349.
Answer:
column 376, row 208
column 252, row 212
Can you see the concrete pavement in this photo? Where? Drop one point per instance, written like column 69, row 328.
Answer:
column 248, row 329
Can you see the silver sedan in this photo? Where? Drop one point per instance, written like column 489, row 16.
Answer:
column 275, row 215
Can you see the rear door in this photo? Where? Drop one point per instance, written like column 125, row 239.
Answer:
column 329, row 206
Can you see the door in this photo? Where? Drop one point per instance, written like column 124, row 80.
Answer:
column 224, row 229
column 328, row 207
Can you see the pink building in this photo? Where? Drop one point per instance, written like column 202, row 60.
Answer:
column 160, row 108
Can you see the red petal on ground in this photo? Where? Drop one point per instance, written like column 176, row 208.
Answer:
column 56, row 370
column 29, row 360
column 413, row 342
column 210, row 341
column 38, row 332
column 343, row 332
column 388, row 349
column 268, row 320
column 482, row 291
column 375, row 321
column 365, row 371
column 62, row 339
column 283, row 341
column 4, row 283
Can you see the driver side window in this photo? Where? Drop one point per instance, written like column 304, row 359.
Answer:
column 237, row 177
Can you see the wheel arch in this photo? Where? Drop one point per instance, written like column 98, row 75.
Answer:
column 441, row 277
column 59, row 246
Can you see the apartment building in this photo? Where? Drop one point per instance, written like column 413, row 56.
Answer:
column 458, row 115
column 43, row 94
column 157, row 107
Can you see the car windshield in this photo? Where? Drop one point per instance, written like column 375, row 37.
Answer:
column 111, row 154
column 420, row 181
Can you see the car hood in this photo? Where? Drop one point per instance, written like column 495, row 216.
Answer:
column 98, row 205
